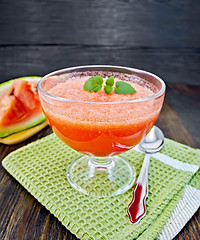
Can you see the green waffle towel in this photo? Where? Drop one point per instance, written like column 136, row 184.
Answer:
column 41, row 168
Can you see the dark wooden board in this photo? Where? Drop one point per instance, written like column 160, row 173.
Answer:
column 174, row 66
column 151, row 23
column 185, row 100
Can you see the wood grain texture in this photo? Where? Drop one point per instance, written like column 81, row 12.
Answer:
column 185, row 100
column 173, row 65
column 163, row 37
column 150, row 23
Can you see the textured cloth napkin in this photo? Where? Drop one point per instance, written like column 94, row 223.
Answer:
column 173, row 191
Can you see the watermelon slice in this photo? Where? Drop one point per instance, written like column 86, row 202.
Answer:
column 20, row 107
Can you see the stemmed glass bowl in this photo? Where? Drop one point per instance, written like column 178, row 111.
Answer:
column 101, row 130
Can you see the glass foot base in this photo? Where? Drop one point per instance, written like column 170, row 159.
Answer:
column 101, row 177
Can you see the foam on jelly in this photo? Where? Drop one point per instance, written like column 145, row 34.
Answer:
column 70, row 86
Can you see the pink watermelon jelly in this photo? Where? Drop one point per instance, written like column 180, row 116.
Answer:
column 96, row 123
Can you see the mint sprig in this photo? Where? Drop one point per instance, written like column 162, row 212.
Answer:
column 110, row 81
column 95, row 84
column 124, row 88
column 108, row 89
column 109, row 85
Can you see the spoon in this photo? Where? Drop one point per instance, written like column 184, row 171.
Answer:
column 152, row 143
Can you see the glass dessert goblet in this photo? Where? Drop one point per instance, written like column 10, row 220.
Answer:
column 100, row 125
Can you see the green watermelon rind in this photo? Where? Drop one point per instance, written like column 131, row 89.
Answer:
column 18, row 127
column 22, row 126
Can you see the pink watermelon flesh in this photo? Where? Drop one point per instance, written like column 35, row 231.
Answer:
column 19, row 105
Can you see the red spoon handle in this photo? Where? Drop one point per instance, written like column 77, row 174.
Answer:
column 137, row 209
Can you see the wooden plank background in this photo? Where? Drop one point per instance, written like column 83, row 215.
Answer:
column 163, row 37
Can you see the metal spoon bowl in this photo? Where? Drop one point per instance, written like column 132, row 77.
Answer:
column 152, row 143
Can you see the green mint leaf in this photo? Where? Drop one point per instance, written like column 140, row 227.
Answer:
column 93, row 84
column 123, row 88
column 108, row 89
column 110, row 81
